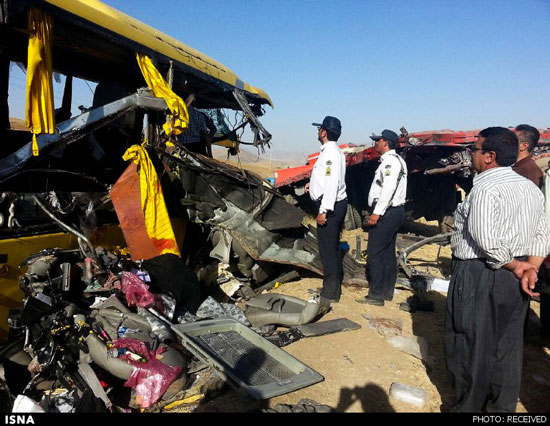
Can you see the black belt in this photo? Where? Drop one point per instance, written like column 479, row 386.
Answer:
column 371, row 208
column 522, row 258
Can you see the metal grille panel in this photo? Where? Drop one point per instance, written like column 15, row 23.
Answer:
column 251, row 364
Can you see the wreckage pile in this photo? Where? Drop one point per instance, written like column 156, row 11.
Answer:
column 106, row 334
column 88, row 329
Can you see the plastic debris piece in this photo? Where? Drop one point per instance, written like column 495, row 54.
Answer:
column 150, row 377
column 23, row 404
column 409, row 394
column 416, row 346
column 231, row 287
column 151, row 381
column 305, row 405
column 136, row 291
column 142, row 275
column 188, row 400
column 158, row 328
column 98, row 301
column 64, row 402
column 165, row 305
column 385, row 326
column 440, row 285
column 211, row 308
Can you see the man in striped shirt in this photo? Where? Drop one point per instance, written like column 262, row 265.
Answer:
column 501, row 238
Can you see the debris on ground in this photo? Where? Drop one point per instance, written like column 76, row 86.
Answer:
column 305, row 405
column 416, row 346
column 386, row 327
column 409, row 394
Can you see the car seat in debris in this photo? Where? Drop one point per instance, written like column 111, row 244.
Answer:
column 113, row 317
column 280, row 309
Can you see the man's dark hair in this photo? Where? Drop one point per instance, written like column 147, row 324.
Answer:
column 332, row 136
column 503, row 142
column 529, row 134
column 391, row 144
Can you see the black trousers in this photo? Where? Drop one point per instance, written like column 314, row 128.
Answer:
column 544, row 289
column 381, row 259
column 330, row 251
column 484, row 337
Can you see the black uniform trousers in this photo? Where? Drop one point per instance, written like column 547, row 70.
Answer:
column 381, row 258
column 331, row 252
column 484, row 337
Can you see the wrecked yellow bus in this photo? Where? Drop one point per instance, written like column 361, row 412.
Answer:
column 118, row 230
column 81, row 195
column 82, row 154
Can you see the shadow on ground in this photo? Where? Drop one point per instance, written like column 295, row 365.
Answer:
column 430, row 325
column 373, row 399
column 423, row 229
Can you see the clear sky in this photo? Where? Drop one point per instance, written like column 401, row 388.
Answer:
column 422, row 64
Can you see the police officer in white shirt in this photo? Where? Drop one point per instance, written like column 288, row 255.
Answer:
column 327, row 188
column 386, row 201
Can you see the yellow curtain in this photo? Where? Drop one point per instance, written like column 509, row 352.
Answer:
column 179, row 119
column 39, row 111
column 157, row 222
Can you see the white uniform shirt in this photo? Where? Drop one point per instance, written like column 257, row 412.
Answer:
column 328, row 177
column 501, row 218
column 385, row 181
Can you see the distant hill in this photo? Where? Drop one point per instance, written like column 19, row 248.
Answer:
column 250, row 155
column 262, row 164
column 17, row 124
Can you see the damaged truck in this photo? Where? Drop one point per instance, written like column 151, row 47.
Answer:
column 115, row 234
column 439, row 165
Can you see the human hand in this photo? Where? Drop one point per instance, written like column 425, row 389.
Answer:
column 307, row 187
column 528, row 281
column 321, row 219
column 519, row 267
column 373, row 219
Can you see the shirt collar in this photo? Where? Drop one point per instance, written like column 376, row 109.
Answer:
column 524, row 161
column 327, row 143
column 491, row 173
column 388, row 153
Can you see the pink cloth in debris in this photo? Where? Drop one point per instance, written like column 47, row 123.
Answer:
column 150, row 379
column 136, row 291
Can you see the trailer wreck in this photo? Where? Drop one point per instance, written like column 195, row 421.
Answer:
column 439, row 165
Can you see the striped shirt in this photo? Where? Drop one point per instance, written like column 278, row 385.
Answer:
column 502, row 218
